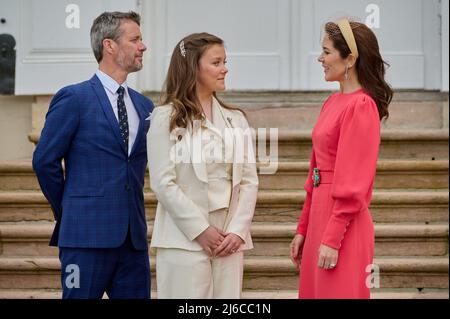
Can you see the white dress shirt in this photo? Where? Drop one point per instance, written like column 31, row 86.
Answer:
column 111, row 86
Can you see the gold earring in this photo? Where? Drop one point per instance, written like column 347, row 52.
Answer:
column 346, row 72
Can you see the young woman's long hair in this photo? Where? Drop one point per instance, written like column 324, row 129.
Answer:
column 370, row 66
column 180, row 85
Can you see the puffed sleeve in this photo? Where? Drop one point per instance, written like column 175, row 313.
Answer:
column 302, row 225
column 355, row 167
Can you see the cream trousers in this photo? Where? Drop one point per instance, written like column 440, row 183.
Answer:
column 185, row 274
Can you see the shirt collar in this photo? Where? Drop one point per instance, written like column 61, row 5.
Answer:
column 109, row 83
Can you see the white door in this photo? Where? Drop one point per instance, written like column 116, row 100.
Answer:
column 8, row 15
column 408, row 32
column 53, row 47
column 271, row 44
column 256, row 33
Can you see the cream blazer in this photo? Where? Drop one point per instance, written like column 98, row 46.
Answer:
column 180, row 182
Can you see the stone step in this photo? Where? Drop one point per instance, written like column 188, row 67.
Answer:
column 395, row 145
column 260, row 273
column 300, row 109
column 31, row 239
column 19, row 175
column 35, row 272
column 390, row 175
column 390, row 239
column 246, row 294
column 271, row 273
column 393, row 293
column 415, row 206
column 399, row 206
column 409, row 109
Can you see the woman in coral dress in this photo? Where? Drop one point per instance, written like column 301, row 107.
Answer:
column 334, row 242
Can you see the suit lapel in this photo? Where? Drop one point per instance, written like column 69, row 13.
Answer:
column 195, row 150
column 142, row 116
column 237, row 147
column 194, row 136
column 107, row 109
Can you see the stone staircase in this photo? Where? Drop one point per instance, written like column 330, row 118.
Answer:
column 409, row 206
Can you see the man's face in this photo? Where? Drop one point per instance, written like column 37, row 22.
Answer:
column 130, row 48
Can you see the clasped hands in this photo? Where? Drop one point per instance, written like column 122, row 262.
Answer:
column 217, row 243
column 328, row 256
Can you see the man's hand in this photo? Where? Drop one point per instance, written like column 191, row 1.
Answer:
column 328, row 257
column 296, row 249
column 229, row 246
column 210, row 239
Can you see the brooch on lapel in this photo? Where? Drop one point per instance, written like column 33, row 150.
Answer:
column 178, row 133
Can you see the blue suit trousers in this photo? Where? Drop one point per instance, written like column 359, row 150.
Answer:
column 123, row 272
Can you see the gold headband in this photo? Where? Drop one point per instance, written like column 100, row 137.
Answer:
column 347, row 32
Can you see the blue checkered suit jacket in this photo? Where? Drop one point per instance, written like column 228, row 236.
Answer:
column 99, row 195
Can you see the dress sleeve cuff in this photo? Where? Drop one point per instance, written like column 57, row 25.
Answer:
column 335, row 231
column 301, row 230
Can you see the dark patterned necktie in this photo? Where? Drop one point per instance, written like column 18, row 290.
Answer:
column 123, row 117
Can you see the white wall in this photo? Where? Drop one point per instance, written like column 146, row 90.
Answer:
column 49, row 53
column 271, row 45
column 256, row 33
column 407, row 32
column 275, row 44
column 445, row 44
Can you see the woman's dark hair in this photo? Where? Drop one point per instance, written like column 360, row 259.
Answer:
column 370, row 66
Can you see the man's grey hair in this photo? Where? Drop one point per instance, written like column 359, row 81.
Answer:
column 107, row 26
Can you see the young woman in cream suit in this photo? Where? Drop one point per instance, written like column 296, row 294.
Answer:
column 203, row 173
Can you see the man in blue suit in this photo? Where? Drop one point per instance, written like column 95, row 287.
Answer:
column 99, row 128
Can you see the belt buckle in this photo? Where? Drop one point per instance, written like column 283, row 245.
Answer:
column 316, row 177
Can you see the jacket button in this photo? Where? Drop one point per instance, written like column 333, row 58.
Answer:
column 127, row 187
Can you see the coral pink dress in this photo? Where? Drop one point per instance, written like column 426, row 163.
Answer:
column 345, row 140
